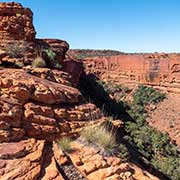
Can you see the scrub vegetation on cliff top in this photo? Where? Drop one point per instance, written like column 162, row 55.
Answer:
column 104, row 139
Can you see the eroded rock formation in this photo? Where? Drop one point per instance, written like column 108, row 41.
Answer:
column 94, row 166
column 15, row 23
column 159, row 70
column 17, row 37
column 38, row 105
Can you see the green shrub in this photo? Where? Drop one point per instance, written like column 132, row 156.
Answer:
column 51, row 54
column 88, row 133
column 126, row 89
column 170, row 165
column 65, row 144
column 146, row 95
column 105, row 138
column 155, row 146
column 38, row 62
column 58, row 66
column 123, row 153
column 52, row 61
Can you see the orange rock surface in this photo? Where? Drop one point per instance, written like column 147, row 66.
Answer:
column 15, row 23
column 16, row 29
column 96, row 167
column 33, row 106
column 166, row 117
column 40, row 105
column 159, row 70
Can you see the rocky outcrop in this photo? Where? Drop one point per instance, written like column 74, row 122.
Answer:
column 37, row 106
column 40, row 105
column 58, row 46
column 15, row 23
column 95, row 166
column 159, row 70
column 17, row 33
column 21, row 160
column 28, row 159
column 18, row 44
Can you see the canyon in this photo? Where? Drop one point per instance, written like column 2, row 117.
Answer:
column 39, row 106
column 160, row 70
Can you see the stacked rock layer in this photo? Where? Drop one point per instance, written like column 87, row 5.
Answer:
column 38, row 105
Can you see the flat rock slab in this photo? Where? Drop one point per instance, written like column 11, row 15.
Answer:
column 97, row 167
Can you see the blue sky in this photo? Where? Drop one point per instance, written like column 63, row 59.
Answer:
column 125, row 25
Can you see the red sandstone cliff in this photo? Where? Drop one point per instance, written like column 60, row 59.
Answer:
column 39, row 105
column 159, row 70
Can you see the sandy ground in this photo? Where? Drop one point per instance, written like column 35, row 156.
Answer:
column 166, row 117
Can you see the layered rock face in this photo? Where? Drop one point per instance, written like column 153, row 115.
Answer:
column 15, row 23
column 17, row 32
column 17, row 37
column 40, row 105
column 94, row 166
column 37, row 106
column 159, row 70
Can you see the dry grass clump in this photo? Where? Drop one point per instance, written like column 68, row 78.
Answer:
column 100, row 136
column 105, row 141
column 65, row 144
column 88, row 133
column 16, row 49
column 38, row 62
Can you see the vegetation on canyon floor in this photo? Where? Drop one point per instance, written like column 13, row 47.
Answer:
column 153, row 147
column 156, row 147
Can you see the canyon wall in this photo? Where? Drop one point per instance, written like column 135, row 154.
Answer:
column 159, row 70
column 40, row 105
